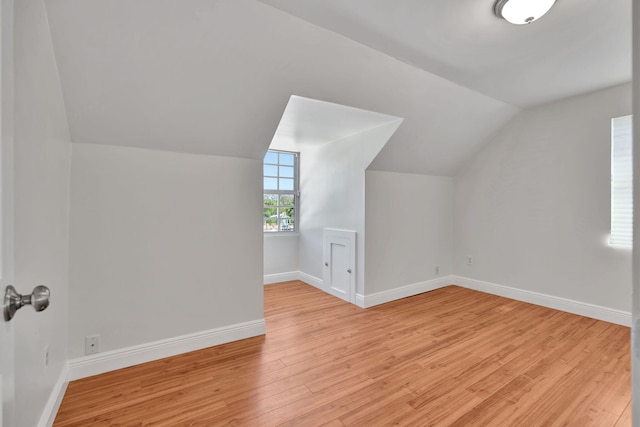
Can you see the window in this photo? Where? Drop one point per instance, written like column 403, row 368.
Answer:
column 621, row 182
column 280, row 191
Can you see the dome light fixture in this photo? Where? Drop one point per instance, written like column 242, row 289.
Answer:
column 521, row 12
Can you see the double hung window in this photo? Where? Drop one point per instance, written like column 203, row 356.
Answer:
column 280, row 192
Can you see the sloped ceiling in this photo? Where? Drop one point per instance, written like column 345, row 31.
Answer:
column 214, row 77
column 579, row 46
column 309, row 122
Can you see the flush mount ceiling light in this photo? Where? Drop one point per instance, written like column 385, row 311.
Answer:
column 522, row 11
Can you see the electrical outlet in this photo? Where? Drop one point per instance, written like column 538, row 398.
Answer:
column 469, row 260
column 91, row 344
column 46, row 356
column 437, row 269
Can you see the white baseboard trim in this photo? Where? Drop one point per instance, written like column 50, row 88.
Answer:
column 606, row 314
column 270, row 279
column 366, row 301
column 312, row 280
column 50, row 410
column 558, row 303
column 87, row 366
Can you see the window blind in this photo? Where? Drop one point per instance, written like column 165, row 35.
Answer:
column 621, row 182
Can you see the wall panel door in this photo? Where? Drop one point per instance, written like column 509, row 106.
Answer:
column 339, row 274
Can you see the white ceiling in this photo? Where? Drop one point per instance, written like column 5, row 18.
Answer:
column 579, row 46
column 308, row 122
column 214, row 77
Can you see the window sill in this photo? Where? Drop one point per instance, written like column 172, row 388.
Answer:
column 282, row 234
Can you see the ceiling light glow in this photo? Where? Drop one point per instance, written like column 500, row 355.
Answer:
column 521, row 12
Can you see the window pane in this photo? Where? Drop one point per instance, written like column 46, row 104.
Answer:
column 271, row 183
column 270, row 199
column 270, row 212
column 271, row 157
column 270, row 170
column 286, row 171
column 287, row 212
column 269, row 225
column 285, row 184
column 286, row 200
column 286, row 159
column 287, row 220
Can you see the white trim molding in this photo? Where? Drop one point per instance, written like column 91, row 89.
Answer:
column 606, row 314
column 366, row 301
column 87, row 366
column 50, row 410
column 270, row 279
column 311, row 280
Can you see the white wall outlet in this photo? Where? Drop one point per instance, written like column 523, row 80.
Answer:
column 469, row 260
column 437, row 269
column 91, row 344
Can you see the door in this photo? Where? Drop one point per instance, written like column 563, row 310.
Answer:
column 339, row 275
column 6, row 209
column 339, row 267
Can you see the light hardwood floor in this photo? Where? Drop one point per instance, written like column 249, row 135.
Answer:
column 447, row 357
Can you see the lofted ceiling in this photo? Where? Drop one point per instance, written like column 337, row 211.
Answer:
column 214, row 76
column 579, row 46
column 308, row 122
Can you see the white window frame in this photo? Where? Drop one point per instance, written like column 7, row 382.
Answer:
column 295, row 193
column 621, row 182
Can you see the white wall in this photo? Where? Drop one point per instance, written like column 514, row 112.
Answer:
column 332, row 193
column 41, row 162
column 533, row 207
column 280, row 253
column 408, row 229
column 162, row 244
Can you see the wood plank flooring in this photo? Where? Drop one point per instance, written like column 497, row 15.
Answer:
column 450, row 357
